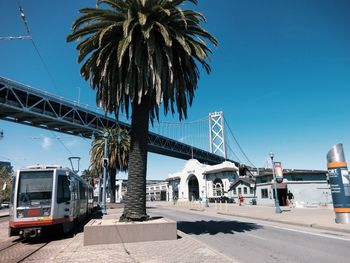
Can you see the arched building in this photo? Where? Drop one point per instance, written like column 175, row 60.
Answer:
column 200, row 181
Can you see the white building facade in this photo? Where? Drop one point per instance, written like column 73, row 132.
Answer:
column 243, row 187
column 157, row 191
column 199, row 181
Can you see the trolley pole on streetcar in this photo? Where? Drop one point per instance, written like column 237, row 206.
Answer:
column 105, row 166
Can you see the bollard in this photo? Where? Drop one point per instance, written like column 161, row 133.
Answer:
column 339, row 183
column 226, row 206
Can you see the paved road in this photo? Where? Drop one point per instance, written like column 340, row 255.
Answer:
column 258, row 241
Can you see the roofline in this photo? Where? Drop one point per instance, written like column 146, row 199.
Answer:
column 287, row 171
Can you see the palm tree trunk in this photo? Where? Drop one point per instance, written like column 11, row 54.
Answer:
column 135, row 208
column 112, row 174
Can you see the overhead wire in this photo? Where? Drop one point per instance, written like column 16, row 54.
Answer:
column 64, row 146
column 30, row 37
column 11, row 160
column 18, row 37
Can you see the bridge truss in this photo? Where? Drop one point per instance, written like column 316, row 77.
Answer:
column 24, row 105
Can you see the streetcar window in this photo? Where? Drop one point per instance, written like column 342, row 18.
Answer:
column 63, row 192
column 82, row 191
column 35, row 188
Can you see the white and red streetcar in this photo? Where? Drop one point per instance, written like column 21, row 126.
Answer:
column 48, row 197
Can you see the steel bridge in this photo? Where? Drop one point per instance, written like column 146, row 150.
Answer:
column 25, row 105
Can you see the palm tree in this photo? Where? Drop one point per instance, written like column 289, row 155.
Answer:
column 138, row 54
column 89, row 175
column 5, row 183
column 118, row 155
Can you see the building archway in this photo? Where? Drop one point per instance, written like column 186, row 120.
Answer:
column 193, row 188
column 218, row 187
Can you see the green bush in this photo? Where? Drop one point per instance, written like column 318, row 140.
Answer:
column 5, row 184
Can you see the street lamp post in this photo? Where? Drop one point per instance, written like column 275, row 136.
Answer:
column 175, row 185
column 277, row 203
column 105, row 166
column 206, row 192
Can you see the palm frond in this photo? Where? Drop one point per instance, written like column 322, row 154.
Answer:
column 130, row 49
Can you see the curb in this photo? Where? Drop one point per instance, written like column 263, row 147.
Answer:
column 312, row 225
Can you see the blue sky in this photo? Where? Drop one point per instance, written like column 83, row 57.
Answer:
column 281, row 75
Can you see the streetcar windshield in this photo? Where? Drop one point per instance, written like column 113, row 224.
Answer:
column 35, row 188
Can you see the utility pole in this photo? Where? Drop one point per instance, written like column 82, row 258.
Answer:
column 105, row 166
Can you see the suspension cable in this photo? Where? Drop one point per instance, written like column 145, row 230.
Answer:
column 234, row 155
column 239, row 146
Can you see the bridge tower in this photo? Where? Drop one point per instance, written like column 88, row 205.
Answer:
column 217, row 133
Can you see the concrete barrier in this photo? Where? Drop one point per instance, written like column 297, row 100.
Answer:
column 109, row 231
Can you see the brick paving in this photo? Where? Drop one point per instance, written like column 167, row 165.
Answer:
column 184, row 249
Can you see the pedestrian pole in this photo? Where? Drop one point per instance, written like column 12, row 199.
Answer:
column 105, row 166
column 206, row 192
column 277, row 203
column 99, row 191
column 339, row 180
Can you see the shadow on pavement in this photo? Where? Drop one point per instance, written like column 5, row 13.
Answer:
column 215, row 227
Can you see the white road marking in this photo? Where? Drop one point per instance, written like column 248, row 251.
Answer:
column 313, row 234
column 251, row 235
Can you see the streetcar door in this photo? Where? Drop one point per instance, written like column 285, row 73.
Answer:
column 63, row 196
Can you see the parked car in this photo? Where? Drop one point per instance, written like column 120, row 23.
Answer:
column 225, row 198
column 5, row 204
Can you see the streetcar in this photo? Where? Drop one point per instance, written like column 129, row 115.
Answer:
column 48, row 197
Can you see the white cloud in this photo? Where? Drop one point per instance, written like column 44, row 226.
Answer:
column 46, row 143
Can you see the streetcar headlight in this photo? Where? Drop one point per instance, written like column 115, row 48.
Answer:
column 20, row 213
column 46, row 211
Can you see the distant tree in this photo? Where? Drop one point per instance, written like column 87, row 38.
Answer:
column 118, row 155
column 141, row 53
column 5, row 183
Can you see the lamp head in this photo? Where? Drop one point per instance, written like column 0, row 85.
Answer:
column 271, row 155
